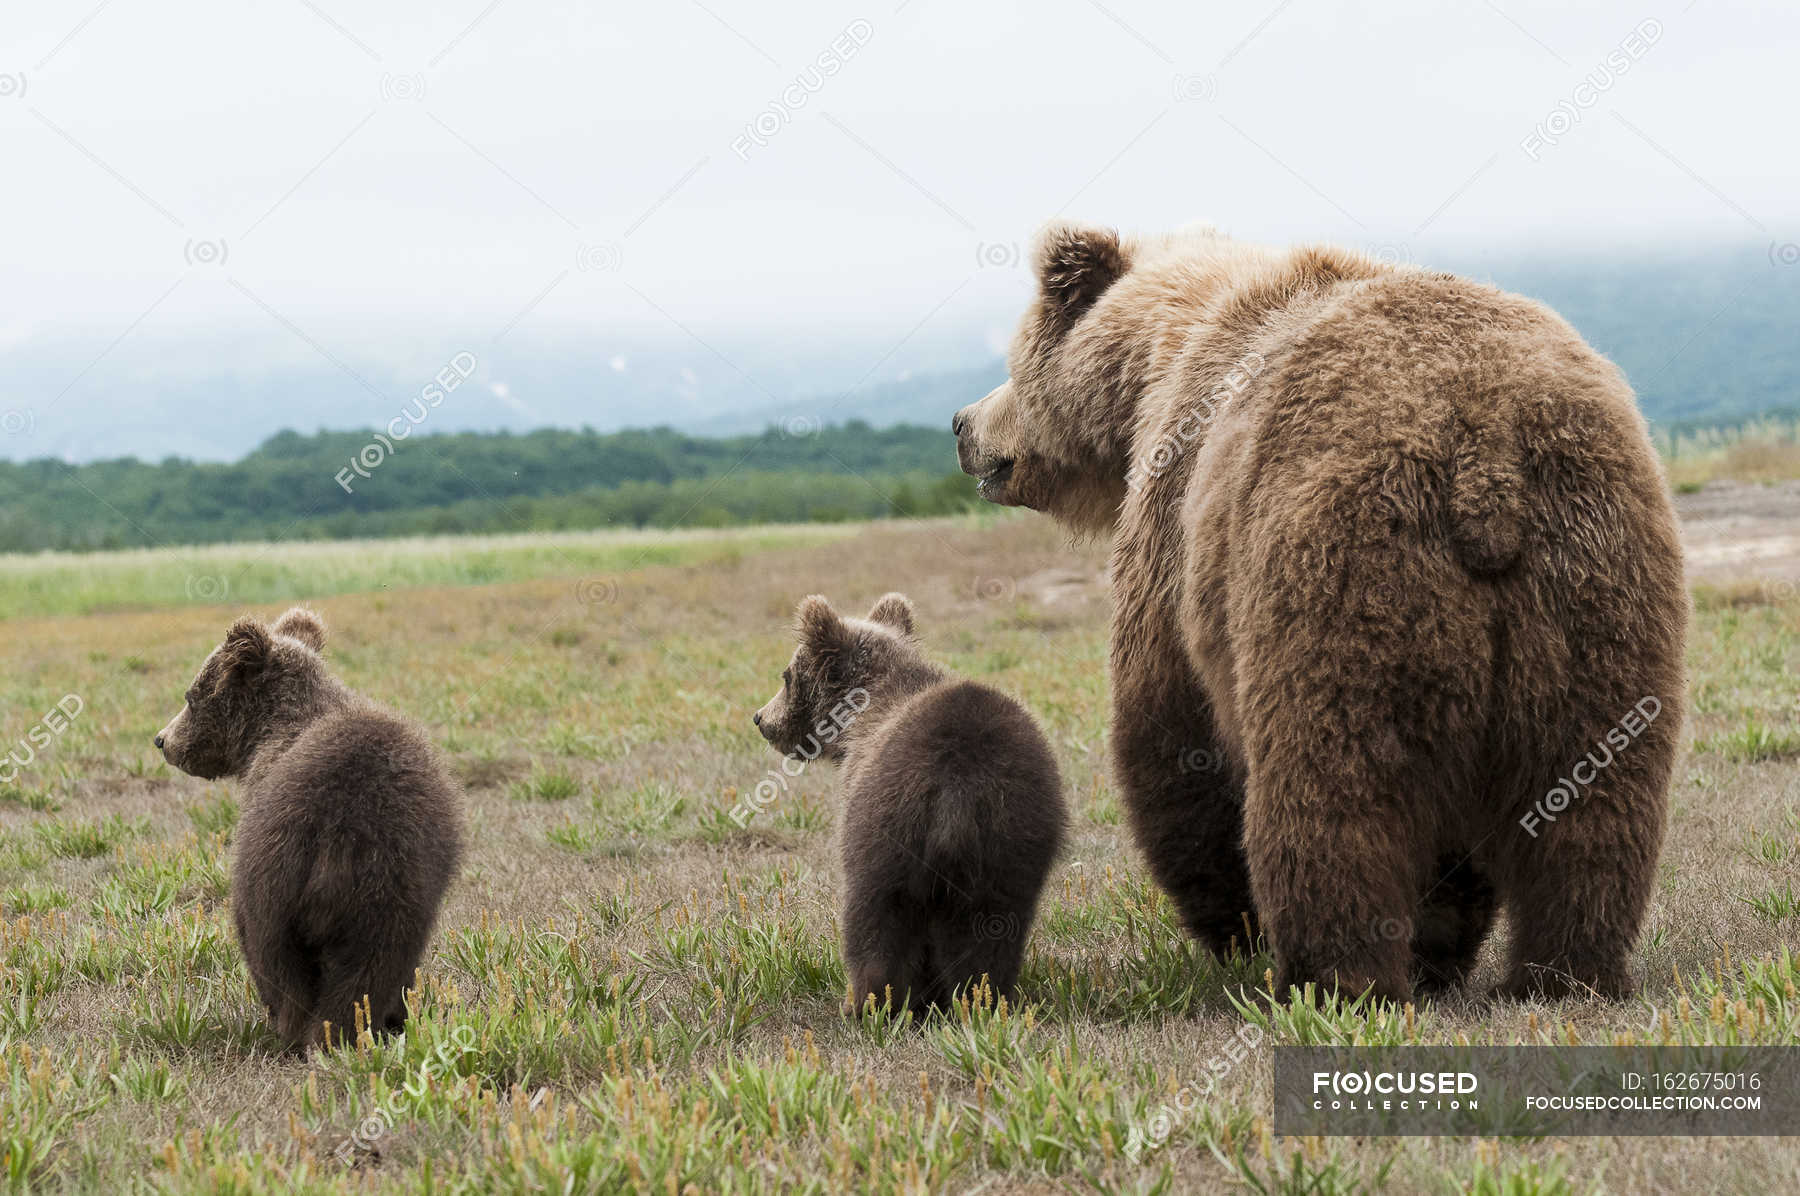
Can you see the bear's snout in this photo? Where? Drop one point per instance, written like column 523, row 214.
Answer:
column 168, row 741
column 768, row 720
column 979, row 452
column 970, row 455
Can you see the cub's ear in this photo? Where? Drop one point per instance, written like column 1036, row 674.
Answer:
column 820, row 628
column 245, row 651
column 303, row 625
column 896, row 611
column 1075, row 264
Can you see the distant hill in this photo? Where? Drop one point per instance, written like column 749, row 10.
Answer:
column 927, row 401
column 333, row 485
column 1707, row 336
column 217, row 396
column 1701, row 333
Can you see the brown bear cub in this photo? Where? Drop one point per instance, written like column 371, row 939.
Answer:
column 350, row 834
column 952, row 805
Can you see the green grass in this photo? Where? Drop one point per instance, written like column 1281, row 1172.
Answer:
column 544, row 785
column 42, row 800
column 86, row 839
column 1776, row 905
column 247, row 574
column 1753, row 742
column 32, row 899
column 214, row 816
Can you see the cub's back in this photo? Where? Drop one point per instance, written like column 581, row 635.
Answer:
column 960, row 776
column 364, row 786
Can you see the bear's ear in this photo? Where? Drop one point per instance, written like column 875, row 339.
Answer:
column 820, row 628
column 1075, row 264
column 303, row 625
column 896, row 611
column 245, row 650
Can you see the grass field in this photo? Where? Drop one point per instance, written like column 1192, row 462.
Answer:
column 57, row 583
column 629, row 991
column 1761, row 450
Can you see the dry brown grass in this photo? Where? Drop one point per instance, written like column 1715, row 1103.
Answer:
column 1761, row 454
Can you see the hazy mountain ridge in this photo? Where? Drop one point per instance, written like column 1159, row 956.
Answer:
column 1701, row 335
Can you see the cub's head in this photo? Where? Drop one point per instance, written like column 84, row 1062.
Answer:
column 1053, row 436
column 244, row 682
column 836, row 664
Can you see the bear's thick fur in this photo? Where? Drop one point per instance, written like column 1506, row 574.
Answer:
column 1399, row 614
column 952, row 808
column 350, row 834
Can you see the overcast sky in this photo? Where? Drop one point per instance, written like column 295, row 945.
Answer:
column 541, row 166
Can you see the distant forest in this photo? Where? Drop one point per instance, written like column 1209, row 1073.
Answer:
column 293, row 486
column 312, row 487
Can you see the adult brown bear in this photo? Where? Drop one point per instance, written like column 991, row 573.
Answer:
column 1398, row 602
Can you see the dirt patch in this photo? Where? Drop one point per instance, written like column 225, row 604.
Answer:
column 1063, row 587
column 476, row 772
column 1738, row 531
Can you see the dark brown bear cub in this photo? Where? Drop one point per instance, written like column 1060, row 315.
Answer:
column 350, row 834
column 952, row 805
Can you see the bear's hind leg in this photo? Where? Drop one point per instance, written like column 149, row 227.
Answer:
column 1453, row 921
column 970, row 944
column 1337, row 893
column 373, row 974
column 1578, row 886
column 1364, row 686
column 885, row 944
column 286, row 976
column 1185, row 804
